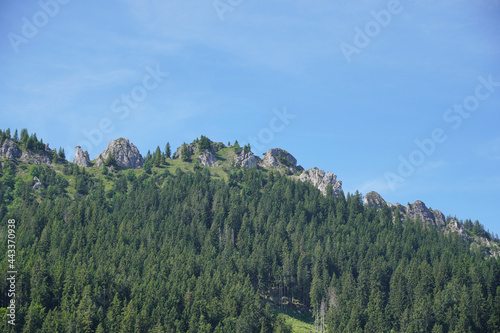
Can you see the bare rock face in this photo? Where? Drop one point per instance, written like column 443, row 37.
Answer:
column 38, row 184
column 36, row 158
column 178, row 152
column 245, row 160
column 455, row 226
column 82, row 158
column 208, row 159
column 419, row 210
column 126, row 154
column 439, row 219
column 10, row 150
column 280, row 158
column 411, row 211
column 400, row 207
column 322, row 180
column 373, row 199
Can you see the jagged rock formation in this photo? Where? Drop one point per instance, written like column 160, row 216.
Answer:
column 126, row 154
column 178, row 153
column 82, row 158
column 280, row 158
column 38, row 184
column 208, row 159
column 417, row 210
column 10, row 150
column 36, row 158
column 439, row 218
column 455, row 226
column 245, row 160
column 436, row 218
column 373, row 199
column 322, row 180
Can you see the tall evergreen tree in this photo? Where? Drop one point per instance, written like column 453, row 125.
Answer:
column 168, row 151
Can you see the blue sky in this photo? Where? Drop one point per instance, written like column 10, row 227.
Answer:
column 361, row 81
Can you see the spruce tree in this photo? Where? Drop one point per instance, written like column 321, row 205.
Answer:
column 185, row 152
column 168, row 152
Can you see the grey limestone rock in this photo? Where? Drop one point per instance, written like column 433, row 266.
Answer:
column 417, row 210
column 245, row 160
column 455, row 226
column 373, row 199
column 322, row 180
column 280, row 158
column 10, row 150
column 38, row 184
column 82, row 158
column 127, row 155
column 208, row 159
column 36, row 158
column 439, row 219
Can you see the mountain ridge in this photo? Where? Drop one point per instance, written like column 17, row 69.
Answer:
column 123, row 154
column 221, row 248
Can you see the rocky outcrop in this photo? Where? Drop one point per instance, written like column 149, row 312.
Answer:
column 414, row 211
column 455, row 226
column 82, row 158
column 36, row 158
column 439, row 219
column 38, row 184
column 208, row 159
column 322, row 180
column 280, row 158
column 10, row 150
column 178, row 153
column 125, row 153
column 245, row 160
column 400, row 208
column 373, row 199
column 418, row 210
column 194, row 147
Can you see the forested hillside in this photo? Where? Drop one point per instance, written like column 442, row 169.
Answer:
column 167, row 250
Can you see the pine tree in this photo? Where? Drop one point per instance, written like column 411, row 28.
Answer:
column 204, row 143
column 85, row 314
column 185, row 152
column 148, row 166
column 35, row 318
column 61, row 153
column 114, row 315
column 168, row 152
column 24, row 136
column 157, row 157
column 110, row 160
